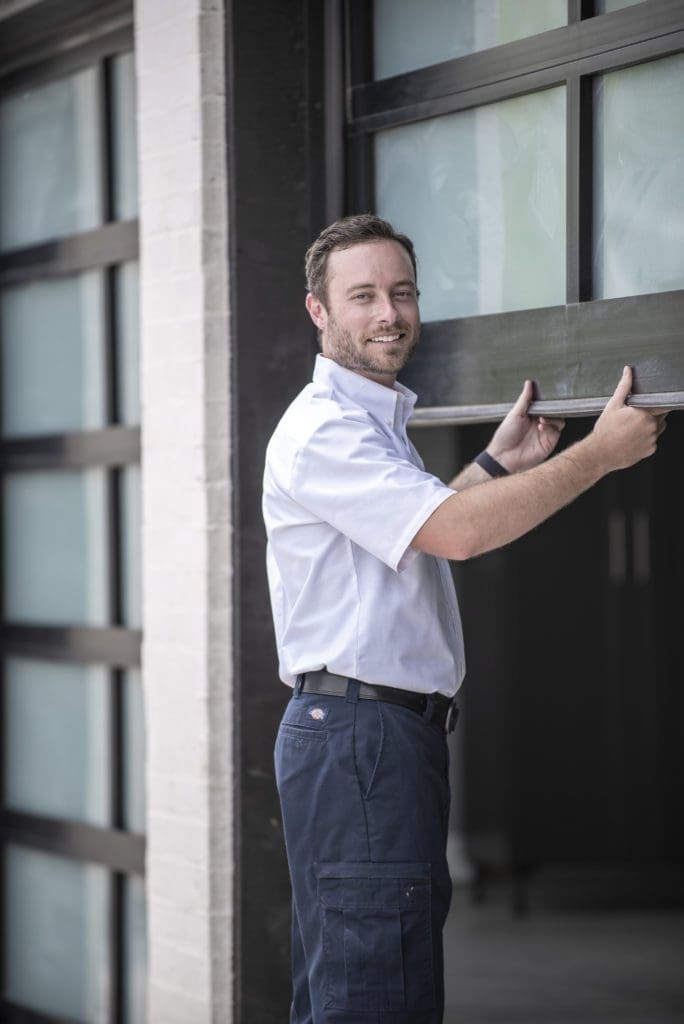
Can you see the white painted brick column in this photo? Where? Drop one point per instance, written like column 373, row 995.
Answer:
column 187, row 654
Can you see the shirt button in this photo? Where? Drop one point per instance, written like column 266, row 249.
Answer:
column 388, row 422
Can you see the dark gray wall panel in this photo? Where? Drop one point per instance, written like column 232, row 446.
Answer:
column 574, row 353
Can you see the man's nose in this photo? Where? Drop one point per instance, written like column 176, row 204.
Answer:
column 386, row 310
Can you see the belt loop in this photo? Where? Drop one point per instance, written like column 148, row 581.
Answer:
column 429, row 707
column 352, row 691
column 299, row 683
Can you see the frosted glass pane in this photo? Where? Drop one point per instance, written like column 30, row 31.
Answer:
column 49, row 176
column 409, row 35
column 482, row 195
column 56, row 949
column 639, row 179
column 131, row 547
column 52, row 355
column 54, row 547
column 135, row 953
column 57, row 739
column 125, row 169
column 134, row 752
column 128, row 342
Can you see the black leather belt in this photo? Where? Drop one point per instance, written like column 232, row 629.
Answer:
column 444, row 709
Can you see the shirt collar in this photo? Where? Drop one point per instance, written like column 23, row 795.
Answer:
column 393, row 404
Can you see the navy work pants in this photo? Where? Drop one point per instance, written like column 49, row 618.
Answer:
column 365, row 800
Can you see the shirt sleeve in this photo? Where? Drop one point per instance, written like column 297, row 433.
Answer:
column 349, row 475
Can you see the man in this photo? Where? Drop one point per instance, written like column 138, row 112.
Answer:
column 368, row 628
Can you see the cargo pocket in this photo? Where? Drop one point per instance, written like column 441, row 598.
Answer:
column 377, row 935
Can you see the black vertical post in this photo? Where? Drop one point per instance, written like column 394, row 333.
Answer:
column 277, row 197
column 579, row 196
column 360, row 191
column 579, row 156
column 578, row 10
column 113, row 534
column 334, row 107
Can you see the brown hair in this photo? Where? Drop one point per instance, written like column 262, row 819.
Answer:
column 343, row 234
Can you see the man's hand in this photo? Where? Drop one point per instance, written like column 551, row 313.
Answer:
column 624, row 434
column 523, row 441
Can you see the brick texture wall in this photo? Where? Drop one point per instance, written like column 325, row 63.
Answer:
column 187, row 656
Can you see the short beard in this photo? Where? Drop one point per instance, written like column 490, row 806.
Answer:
column 342, row 349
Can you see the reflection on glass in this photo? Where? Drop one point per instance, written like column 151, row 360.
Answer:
column 482, row 195
column 409, row 35
column 54, row 547
column 56, row 927
column 135, row 952
column 639, row 179
column 134, row 752
column 127, row 341
column 56, row 717
column 125, row 169
column 52, row 356
column 49, row 151
column 131, row 547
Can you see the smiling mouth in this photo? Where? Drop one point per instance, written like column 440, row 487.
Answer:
column 387, row 339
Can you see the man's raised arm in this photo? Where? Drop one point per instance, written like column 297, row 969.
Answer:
column 490, row 514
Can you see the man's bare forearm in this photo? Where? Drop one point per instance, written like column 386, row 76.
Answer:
column 468, row 477
column 489, row 514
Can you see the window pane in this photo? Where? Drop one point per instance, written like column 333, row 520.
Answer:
column 54, row 544
column 45, row 198
column 134, row 752
column 56, row 935
column 57, row 739
column 52, row 352
column 125, row 169
column 639, row 179
column 130, row 547
column 409, row 35
column 135, row 980
column 128, row 342
column 482, row 195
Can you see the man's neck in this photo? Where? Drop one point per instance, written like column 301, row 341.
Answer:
column 386, row 379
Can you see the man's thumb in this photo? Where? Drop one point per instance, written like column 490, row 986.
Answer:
column 524, row 398
column 623, row 389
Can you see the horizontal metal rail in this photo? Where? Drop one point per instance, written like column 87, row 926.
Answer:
column 453, row 415
column 110, row 847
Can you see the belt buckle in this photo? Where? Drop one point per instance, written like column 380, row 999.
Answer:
column 451, row 717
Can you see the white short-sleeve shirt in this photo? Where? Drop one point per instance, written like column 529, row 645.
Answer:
column 345, row 492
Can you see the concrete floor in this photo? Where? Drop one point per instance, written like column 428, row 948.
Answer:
column 562, row 966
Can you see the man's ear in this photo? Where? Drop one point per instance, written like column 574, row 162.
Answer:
column 316, row 311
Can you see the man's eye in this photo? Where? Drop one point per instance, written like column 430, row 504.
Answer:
column 403, row 294
column 361, row 295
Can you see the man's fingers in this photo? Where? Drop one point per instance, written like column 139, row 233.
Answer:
column 623, row 389
column 556, row 423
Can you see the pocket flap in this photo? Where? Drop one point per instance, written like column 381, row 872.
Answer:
column 388, row 886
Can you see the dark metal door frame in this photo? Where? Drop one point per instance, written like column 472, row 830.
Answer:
column 284, row 87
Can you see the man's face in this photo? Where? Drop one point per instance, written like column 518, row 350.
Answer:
column 371, row 322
